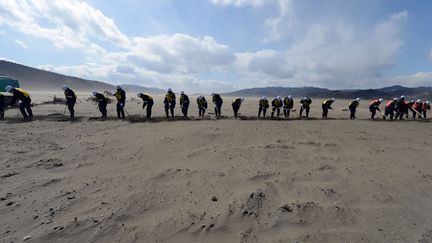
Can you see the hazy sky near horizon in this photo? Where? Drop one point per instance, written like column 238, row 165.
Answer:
column 223, row 45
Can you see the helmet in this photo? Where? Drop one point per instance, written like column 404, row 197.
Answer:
column 419, row 100
column 9, row 88
column 305, row 98
column 427, row 102
column 278, row 97
column 118, row 87
column 412, row 101
column 169, row 90
column 213, row 94
column 395, row 99
column 289, row 96
column 380, row 100
column 263, row 98
column 182, row 92
column 358, row 99
column 333, row 99
column 242, row 99
column 65, row 87
column 139, row 94
column 402, row 97
column 94, row 93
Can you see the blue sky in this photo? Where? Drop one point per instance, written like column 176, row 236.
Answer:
column 223, row 45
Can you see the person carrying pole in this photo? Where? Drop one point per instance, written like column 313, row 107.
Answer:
column 288, row 105
column 416, row 108
column 263, row 106
column 352, row 107
column 24, row 97
column 147, row 102
column 326, row 106
column 120, row 95
column 170, row 102
column 217, row 100
column 102, row 103
column 236, row 103
column 305, row 106
column 390, row 108
column 202, row 105
column 425, row 107
column 184, row 103
column 276, row 106
column 374, row 107
column 71, row 98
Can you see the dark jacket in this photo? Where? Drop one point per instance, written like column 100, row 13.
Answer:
column 170, row 97
column 70, row 96
column 184, row 100
column 217, row 99
column 120, row 95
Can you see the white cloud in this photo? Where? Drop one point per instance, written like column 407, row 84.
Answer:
column 65, row 23
column 21, row 43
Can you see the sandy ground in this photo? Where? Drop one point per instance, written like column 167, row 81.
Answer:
column 212, row 180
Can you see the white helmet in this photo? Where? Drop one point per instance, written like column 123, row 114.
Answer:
column 333, row 99
column 402, row 97
column 419, row 100
column 358, row 99
column 118, row 87
column 395, row 99
column 94, row 93
column 8, row 88
column 139, row 95
column 65, row 87
column 380, row 100
column 182, row 92
column 278, row 98
column 289, row 96
column 169, row 90
column 263, row 98
column 427, row 102
column 242, row 99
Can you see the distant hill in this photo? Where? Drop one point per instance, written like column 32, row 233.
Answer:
column 386, row 93
column 40, row 80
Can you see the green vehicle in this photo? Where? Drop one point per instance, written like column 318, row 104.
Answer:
column 5, row 81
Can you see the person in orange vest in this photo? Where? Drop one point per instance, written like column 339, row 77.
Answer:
column 417, row 106
column 326, row 106
column 374, row 107
column 425, row 107
column 24, row 97
column 390, row 108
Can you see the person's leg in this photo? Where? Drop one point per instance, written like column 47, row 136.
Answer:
column 307, row 111
column 22, row 109
column 172, row 111
column 105, row 115
column 278, row 112
column 391, row 115
column 71, row 110
column 149, row 110
column 186, row 111
column 259, row 111
column 118, row 110
column 288, row 113
column 325, row 111
column 285, row 112
column 301, row 111
column 234, row 110
column 273, row 111
column 264, row 112
column 167, row 110
column 122, row 111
